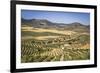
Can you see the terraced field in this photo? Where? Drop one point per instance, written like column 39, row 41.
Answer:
column 45, row 45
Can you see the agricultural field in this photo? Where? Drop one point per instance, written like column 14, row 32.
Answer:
column 53, row 44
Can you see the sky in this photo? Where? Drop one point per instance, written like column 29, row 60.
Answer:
column 57, row 17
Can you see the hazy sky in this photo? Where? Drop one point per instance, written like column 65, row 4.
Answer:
column 57, row 17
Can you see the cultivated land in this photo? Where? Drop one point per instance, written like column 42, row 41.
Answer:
column 46, row 43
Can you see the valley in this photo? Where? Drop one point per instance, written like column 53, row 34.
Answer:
column 45, row 41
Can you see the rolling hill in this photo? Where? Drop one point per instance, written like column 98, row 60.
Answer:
column 46, row 41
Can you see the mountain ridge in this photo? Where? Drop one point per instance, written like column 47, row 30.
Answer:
column 43, row 23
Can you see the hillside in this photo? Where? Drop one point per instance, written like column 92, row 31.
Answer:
column 45, row 41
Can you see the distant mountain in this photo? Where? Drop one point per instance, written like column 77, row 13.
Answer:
column 42, row 23
column 38, row 23
column 77, row 25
